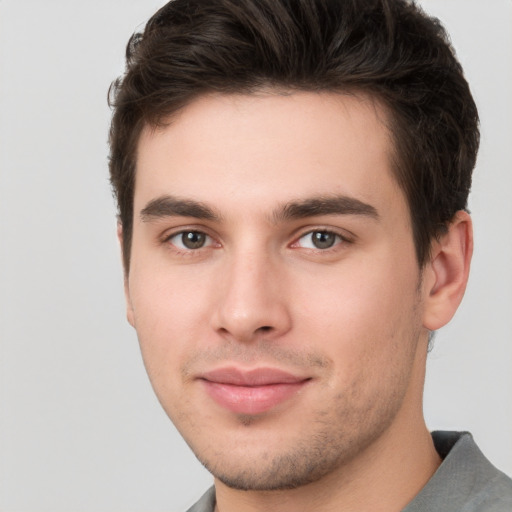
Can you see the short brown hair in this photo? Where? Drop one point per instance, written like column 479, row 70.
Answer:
column 389, row 49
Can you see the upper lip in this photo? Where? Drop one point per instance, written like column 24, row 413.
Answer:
column 252, row 377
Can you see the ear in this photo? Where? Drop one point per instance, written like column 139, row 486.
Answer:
column 129, row 308
column 446, row 275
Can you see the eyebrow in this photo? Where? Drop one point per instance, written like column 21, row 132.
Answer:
column 169, row 206
column 324, row 205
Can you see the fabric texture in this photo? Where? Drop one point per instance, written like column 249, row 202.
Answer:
column 465, row 481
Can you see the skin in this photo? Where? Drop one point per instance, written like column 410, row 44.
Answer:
column 351, row 320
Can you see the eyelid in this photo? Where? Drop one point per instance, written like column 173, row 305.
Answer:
column 345, row 238
column 170, row 234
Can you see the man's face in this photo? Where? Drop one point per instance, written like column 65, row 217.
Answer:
column 274, row 285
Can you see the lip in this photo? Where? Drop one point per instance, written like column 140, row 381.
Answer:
column 251, row 391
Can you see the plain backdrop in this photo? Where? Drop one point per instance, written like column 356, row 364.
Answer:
column 80, row 429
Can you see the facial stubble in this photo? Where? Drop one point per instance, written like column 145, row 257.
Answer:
column 336, row 435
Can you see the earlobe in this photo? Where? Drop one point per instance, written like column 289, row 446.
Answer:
column 129, row 308
column 446, row 276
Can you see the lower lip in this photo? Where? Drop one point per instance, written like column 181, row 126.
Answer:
column 252, row 399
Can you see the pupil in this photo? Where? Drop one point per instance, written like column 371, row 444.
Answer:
column 193, row 239
column 323, row 239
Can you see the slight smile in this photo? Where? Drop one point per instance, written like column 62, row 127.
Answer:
column 251, row 391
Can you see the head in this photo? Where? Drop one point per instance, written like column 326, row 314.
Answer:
column 387, row 49
column 291, row 179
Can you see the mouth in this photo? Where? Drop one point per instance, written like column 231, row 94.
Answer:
column 251, row 391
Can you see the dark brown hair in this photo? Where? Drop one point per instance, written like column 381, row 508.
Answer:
column 388, row 49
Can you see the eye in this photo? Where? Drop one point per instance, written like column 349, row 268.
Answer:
column 190, row 240
column 320, row 239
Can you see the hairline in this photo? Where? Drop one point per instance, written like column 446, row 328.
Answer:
column 385, row 114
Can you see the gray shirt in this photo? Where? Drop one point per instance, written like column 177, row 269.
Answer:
column 465, row 481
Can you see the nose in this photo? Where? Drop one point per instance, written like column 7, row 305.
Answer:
column 253, row 301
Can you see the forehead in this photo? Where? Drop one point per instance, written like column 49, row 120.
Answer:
column 268, row 147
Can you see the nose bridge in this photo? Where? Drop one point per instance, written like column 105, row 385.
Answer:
column 252, row 302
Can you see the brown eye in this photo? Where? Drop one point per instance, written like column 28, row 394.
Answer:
column 319, row 240
column 323, row 239
column 193, row 239
column 190, row 240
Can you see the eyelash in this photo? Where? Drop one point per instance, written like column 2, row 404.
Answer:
column 188, row 250
column 339, row 240
column 210, row 241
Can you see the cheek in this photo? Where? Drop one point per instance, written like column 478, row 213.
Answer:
column 361, row 315
column 170, row 318
column 356, row 299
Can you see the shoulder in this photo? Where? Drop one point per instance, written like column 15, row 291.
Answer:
column 496, row 497
column 465, row 482
column 206, row 503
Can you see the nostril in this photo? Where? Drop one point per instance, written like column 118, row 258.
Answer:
column 265, row 328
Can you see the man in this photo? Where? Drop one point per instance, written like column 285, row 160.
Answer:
column 292, row 182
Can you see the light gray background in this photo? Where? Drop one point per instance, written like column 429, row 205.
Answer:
column 80, row 429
